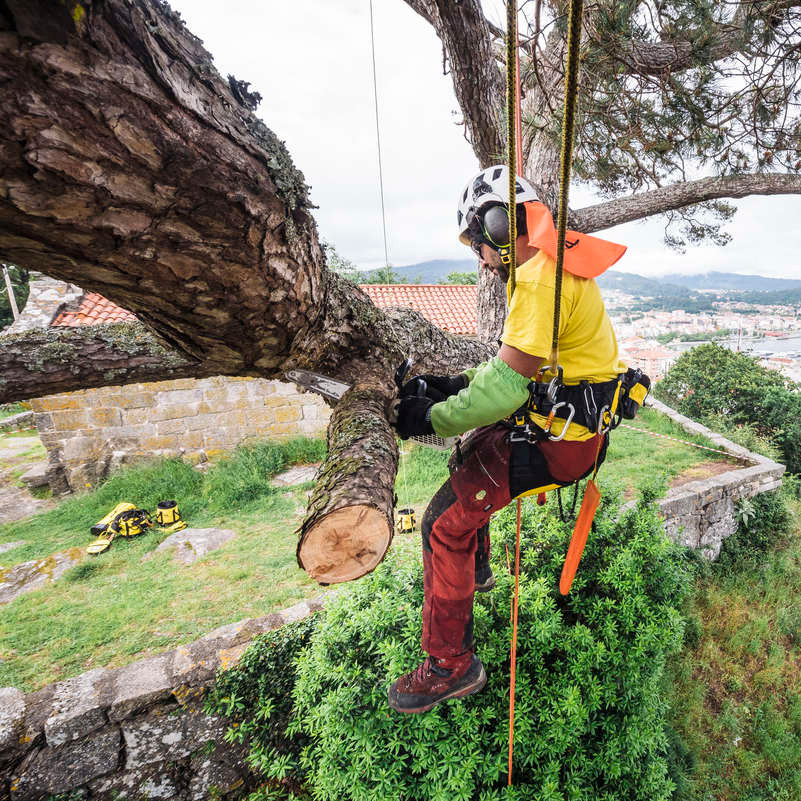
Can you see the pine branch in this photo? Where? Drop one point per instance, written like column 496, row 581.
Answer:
column 657, row 201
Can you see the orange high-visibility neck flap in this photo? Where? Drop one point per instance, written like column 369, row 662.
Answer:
column 585, row 256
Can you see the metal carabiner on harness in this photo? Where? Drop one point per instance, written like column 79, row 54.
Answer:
column 555, row 383
column 604, row 422
column 552, row 414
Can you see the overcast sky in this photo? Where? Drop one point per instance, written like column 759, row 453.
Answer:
column 311, row 62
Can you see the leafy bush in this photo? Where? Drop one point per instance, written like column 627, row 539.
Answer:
column 712, row 381
column 745, row 434
column 245, row 474
column 589, row 716
column 760, row 529
column 260, row 689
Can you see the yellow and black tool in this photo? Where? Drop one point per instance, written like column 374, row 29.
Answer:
column 169, row 516
column 407, row 521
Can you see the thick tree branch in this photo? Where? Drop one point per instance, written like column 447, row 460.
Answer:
column 42, row 361
column 477, row 80
column 657, row 201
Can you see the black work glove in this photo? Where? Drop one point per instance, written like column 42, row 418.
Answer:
column 438, row 387
column 413, row 419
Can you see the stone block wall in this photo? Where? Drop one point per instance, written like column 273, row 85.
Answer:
column 17, row 422
column 136, row 732
column 701, row 514
column 91, row 432
column 44, row 302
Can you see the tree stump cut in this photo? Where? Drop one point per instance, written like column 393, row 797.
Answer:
column 349, row 522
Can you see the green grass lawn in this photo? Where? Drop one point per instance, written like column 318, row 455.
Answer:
column 736, row 688
column 114, row 608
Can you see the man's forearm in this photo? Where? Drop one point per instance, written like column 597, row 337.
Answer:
column 494, row 392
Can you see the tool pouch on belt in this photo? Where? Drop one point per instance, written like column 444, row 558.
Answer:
column 527, row 467
column 480, row 472
column 633, row 392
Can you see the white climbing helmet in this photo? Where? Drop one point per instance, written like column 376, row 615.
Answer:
column 491, row 185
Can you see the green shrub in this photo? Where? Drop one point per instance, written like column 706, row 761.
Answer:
column 745, row 434
column 260, row 689
column 245, row 474
column 589, row 716
column 711, row 381
column 764, row 524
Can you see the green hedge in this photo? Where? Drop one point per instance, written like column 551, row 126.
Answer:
column 712, row 382
column 589, row 721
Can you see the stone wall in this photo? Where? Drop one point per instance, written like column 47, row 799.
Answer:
column 91, row 432
column 17, row 422
column 47, row 296
column 136, row 732
column 701, row 514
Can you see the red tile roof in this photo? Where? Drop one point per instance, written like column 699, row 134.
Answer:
column 450, row 307
column 92, row 310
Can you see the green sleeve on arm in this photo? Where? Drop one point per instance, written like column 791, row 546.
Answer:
column 494, row 392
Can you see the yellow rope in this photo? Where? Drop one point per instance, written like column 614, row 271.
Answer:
column 691, row 444
column 568, row 126
column 511, row 94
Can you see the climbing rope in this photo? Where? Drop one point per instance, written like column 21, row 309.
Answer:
column 691, row 444
column 512, row 92
column 515, row 165
column 378, row 141
column 514, row 145
column 568, row 130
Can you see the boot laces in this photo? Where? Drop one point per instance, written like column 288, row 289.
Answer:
column 427, row 667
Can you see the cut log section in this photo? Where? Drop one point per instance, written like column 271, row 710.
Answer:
column 349, row 522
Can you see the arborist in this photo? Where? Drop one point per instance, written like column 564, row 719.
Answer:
column 533, row 428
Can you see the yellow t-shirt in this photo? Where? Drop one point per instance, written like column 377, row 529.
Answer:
column 587, row 343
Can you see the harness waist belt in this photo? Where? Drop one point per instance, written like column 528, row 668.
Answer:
column 586, row 403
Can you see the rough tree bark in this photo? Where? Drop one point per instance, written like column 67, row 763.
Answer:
column 128, row 166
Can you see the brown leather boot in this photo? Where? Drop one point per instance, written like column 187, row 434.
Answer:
column 436, row 680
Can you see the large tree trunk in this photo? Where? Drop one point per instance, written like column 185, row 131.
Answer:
column 349, row 522
column 131, row 168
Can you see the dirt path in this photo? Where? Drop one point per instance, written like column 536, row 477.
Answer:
column 703, row 470
column 18, row 453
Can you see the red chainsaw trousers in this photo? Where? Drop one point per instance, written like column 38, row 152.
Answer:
column 456, row 518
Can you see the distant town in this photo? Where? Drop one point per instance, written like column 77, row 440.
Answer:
column 657, row 319
column 654, row 339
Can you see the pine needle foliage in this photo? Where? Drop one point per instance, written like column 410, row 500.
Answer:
column 589, row 716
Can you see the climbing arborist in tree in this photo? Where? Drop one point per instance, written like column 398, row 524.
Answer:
column 532, row 429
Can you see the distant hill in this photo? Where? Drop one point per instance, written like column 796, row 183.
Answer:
column 430, row 272
column 730, row 282
column 634, row 284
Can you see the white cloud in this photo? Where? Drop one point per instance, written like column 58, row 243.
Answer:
column 311, row 62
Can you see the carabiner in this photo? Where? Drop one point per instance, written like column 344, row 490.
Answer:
column 603, row 428
column 568, row 421
column 555, row 384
